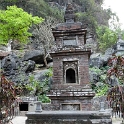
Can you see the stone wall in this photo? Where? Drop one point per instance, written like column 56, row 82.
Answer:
column 78, row 92
column 58, row 70
column 69, row 103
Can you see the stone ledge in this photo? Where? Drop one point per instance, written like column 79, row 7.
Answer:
column 69, row 117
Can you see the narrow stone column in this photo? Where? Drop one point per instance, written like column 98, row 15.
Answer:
column 38, row 107
column 102, row 107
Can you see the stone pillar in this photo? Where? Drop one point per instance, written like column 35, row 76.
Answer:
column 102, row 107
column 38, row 106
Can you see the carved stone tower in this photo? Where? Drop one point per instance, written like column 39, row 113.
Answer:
column 70, row 89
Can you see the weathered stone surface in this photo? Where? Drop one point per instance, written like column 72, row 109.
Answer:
column 64, row 92
column 3, row 54
column 96, row 103
column 41, row 75
column 99, row 60
column 70, row 89
column 119, row 47
column 10, row 64
column 17, row 70
column 68, row 117
column 28, row 66
column 36, row 55
column 58, row 68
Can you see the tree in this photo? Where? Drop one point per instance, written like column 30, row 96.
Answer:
column 92, row 13
column 106, row 37
column 15, row 24
column 36, row 7
column 43, row 34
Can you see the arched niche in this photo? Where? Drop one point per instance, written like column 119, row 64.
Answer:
column 70, row 76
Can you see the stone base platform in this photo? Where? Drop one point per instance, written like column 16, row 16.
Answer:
column 68, row 117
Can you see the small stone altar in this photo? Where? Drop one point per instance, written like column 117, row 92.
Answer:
column 70, row 92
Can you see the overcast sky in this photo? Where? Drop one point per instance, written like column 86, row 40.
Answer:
column 117, row 6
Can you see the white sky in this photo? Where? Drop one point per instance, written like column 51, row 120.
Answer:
column 116, row 6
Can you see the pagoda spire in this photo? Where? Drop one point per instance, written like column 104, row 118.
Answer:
column 69, row 13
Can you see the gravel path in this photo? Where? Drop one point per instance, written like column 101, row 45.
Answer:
column 21, row 120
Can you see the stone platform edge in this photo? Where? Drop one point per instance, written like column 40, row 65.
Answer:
column 68, row 117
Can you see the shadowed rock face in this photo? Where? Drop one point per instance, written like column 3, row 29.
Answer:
column 14, row 69
column 10, row 64
column 36, row 55
column 19, row 72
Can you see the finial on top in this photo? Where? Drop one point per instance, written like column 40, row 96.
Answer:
column 69, row 13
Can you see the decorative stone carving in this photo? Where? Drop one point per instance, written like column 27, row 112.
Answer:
column 72, row 66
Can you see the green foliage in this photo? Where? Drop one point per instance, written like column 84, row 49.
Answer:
column 36, row 87
column 113, row 71
column 92, row 14
column 49, row 73
column 87, row 16
column 106, row 37
column 103, row 77
column 88, row 19
column 35, row 7
column 40, row 88
column 102, row 89
column 47, row 10
column 43, row 98
column 15, row 23
column 58, row 14
column 10, row 0
column 33, row 84
column 96, row 69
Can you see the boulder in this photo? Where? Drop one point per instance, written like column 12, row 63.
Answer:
column 96, row 60
column 37, row 56
column 99, row 60
column 16, row 70
column 10, row 63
